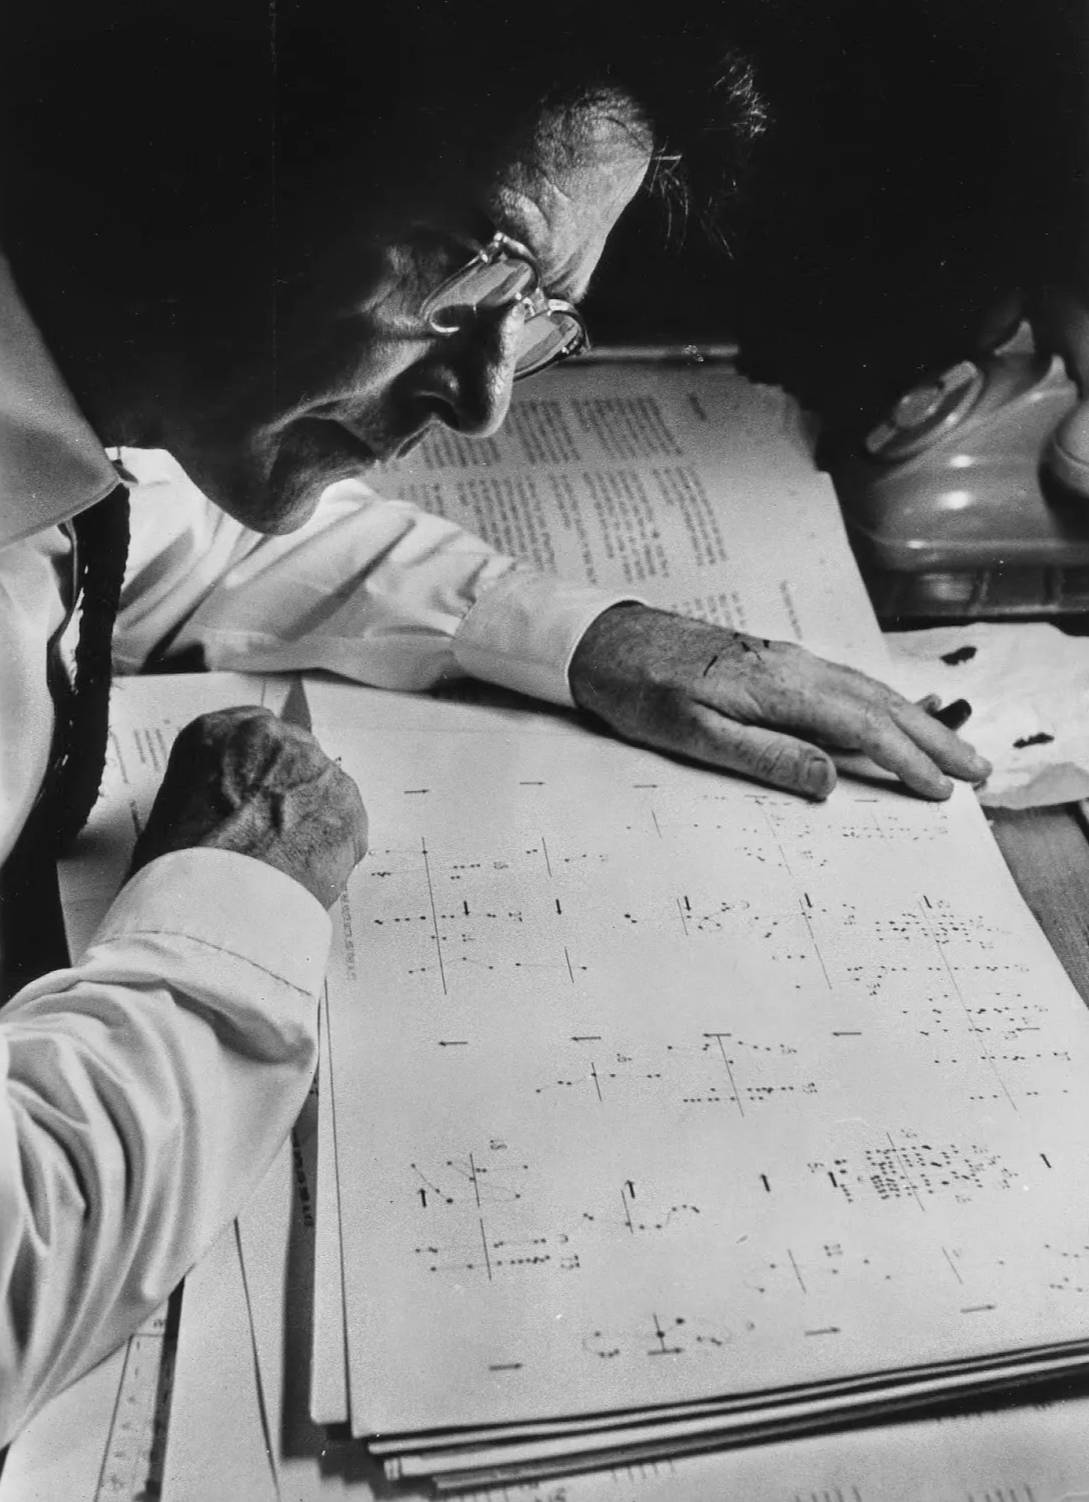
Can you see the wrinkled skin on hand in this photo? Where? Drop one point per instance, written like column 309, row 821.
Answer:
column 243, row 780
column 766, row 709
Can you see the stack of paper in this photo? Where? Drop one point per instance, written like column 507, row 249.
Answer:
column 246, row 1322
column 667, row 1112
column 657, row 1112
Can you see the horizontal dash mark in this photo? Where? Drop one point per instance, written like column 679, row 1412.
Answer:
column 505, row 1366
column 416, row 790
column 827, row 1330
column 978, row 1308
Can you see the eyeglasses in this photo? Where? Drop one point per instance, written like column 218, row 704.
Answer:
column 504, row 275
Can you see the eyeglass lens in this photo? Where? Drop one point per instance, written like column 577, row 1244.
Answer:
column 488, row 286
column 544, row 336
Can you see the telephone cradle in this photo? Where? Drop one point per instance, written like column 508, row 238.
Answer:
column 970, row 500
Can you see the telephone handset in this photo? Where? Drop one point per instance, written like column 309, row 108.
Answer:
column 1066, row 457
column 971, row 496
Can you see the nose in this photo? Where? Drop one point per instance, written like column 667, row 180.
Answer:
column 467, row 377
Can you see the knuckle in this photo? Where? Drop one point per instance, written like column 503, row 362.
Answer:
column 343, row 786
column 205, row 730
column 261, row 724
column 221, row 722
column 872, row 723
column 240, row 732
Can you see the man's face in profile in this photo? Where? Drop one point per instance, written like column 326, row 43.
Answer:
column 359, row 375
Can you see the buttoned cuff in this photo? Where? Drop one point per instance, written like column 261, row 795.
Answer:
column 523, row 630
column 230, row 908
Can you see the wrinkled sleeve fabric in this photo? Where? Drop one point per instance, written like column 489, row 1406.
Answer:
column 372, row 589
column 143, row 1093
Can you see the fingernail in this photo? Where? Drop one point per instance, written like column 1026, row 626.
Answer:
column 818, row 777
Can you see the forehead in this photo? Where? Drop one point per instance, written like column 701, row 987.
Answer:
column 563, row 189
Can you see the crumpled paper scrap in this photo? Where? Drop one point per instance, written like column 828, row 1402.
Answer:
column 1028, row 685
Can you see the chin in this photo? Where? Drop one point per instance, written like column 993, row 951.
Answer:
column 278, row 504
column 305, row 459
column 251, row 495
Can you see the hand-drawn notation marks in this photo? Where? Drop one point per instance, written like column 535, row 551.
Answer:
column 477, row 1179
column 772, row 831
column 449, row 918
column 1066, row 1269
column 638, row 1218
column 905, row 1168
column 478, row 1216
column 664, row 1335
column 812, row 1271
column 713, row 1069
column 474, row 1187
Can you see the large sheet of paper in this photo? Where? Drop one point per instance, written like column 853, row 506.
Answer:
column 329, row 1342
column 245, row 1329
column 85, row 1446
column 1031, row 1454
column 692, row 488
column 671, row 1088
column 220, row 1443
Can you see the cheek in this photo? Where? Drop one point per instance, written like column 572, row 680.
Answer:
column 351, row 326
column 352, row 355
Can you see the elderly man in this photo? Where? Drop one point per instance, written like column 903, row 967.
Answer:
column 282, row 245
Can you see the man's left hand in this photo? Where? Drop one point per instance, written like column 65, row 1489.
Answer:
column 767, row 709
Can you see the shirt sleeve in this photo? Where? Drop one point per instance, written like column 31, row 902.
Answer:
column 372, row 589
column 143, row 1094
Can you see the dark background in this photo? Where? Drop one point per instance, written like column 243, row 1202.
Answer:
column 923, row 163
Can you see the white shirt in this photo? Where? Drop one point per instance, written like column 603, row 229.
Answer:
column 372, row 589
column 144, row 1090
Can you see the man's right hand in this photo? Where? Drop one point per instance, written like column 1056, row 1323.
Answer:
column 243, row 780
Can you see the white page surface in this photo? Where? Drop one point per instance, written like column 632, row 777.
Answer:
column 670, row 1087
column 62, row 1452
column 329, row 1350
column 218, row 1444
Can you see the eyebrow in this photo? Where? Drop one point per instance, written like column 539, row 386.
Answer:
column 488, row 226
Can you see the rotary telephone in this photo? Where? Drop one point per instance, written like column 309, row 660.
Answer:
column 970, row 499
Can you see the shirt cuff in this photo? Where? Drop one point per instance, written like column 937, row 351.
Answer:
column 229, row 905
column 523, row 630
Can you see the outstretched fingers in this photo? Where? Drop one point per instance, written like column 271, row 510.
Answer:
column 940, row 741
column 770, row 756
